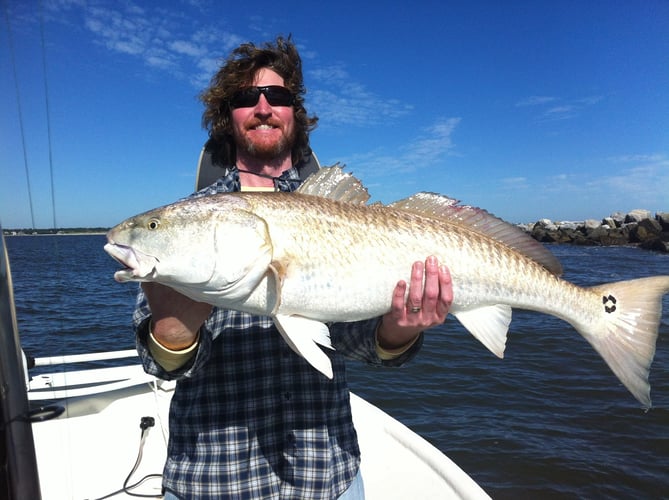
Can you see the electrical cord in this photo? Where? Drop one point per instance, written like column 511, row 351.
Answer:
column 145, row 424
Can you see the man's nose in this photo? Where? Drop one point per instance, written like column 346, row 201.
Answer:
column 263, row 107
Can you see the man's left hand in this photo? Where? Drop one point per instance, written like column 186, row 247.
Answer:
column 425, row 305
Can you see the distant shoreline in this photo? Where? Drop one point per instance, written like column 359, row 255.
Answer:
column 60, row 232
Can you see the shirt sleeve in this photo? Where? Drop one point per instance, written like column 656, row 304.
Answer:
column 357, row 340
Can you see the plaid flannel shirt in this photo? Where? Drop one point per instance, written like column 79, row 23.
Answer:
column 252, row 419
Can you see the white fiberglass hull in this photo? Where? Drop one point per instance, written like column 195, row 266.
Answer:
column 90, row 449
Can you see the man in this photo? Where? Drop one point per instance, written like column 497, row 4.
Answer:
column 249, row 417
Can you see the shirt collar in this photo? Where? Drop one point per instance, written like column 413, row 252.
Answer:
column 289, row 180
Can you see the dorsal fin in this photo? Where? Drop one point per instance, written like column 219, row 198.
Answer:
column 335, row 184
column 477, row 219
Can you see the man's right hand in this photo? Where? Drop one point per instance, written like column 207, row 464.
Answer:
column 175, row 319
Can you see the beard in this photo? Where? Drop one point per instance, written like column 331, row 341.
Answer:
column 266, row 150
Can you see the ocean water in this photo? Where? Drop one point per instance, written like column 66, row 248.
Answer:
column 548, row 421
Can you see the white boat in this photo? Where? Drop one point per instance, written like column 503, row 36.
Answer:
column 115, row 421
column 96, row 433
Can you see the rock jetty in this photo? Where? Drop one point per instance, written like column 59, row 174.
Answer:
column 638, row 227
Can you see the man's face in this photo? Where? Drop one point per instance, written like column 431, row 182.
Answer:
column 264, row 131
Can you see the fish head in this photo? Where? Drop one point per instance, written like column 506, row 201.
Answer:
column 208, row 248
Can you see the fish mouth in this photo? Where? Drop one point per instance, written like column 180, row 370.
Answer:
column 138, row 266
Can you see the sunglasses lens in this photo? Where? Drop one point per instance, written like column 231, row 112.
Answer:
column 245, row 98
column 249, row 96
column 278, row 96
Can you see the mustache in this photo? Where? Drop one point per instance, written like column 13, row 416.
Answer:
column 255, row 122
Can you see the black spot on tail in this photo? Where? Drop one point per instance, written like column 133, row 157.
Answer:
column 609, row 300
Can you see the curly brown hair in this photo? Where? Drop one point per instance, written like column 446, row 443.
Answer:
column 238, row 71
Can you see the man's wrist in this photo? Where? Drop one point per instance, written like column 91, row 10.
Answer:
column 172, row 336
column 386, row 352
column 170, row 359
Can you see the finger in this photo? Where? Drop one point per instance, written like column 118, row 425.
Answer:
column 399, row 294
column 445, row 291
column 415, row 300
column 431, row 287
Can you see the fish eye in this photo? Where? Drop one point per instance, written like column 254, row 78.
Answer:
column 153, row 224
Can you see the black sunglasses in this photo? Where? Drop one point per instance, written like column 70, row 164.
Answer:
column 249, row 96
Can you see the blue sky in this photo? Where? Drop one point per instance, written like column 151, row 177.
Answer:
column 528, row 109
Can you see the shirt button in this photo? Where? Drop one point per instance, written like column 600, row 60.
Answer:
column 287, row 396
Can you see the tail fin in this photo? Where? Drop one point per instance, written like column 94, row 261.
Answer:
column 627, row 329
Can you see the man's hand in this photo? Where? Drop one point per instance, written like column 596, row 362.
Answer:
column 175, row 319
column 424, row 306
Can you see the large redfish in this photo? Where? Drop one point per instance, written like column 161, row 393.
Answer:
column 322, row 255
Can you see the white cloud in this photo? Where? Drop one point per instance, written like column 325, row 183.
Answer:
column 556, row 108
column 435, row 142
column 560, row 111
column 340, row 100
column 163, row 39
column 187, row 48
column 423, row 152
column 620, row 183
column 515, row 183
column 640, row 158
column 334, row 74
column 646, row 180
column 535, row 100
column 590, row 100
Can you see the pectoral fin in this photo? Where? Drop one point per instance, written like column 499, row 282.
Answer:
column 489, row 325
column 303, row 336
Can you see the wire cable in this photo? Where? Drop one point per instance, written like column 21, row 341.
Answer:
column 145, row 424
column 20, row 112
column 48, row 113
